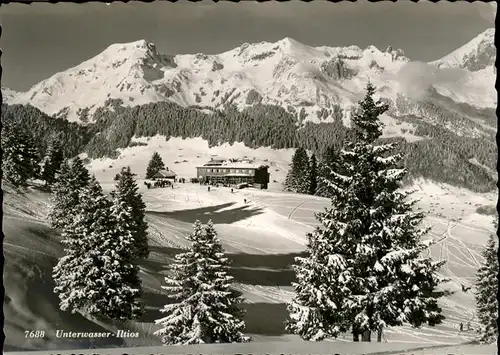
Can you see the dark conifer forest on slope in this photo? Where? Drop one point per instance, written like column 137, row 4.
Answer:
column 441, row 155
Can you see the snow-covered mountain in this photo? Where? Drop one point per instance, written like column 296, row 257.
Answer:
column 315, row 80
column 478, row 54
column 8, row 95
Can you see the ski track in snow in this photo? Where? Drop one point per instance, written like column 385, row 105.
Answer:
column 462, row 263
column 275, row 223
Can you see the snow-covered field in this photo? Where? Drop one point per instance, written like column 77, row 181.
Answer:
column 294, row 347
column 261, row 237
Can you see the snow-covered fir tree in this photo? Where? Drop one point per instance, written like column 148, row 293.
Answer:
column 327, row 164
column 297, row 179
column 52, row 162
column 70, row 180
column 155, row 164
column 487, row 291
column 288, row 180
column 127, row 194
column 20, row 156
column 365, row 268
column 205, row 308
column 97, row 275
column 313, row 175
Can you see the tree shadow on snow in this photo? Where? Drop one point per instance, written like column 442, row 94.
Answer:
column 250, row 269
column 203, row 214
column 265, row 318
column 260, row 318
column 154, row 302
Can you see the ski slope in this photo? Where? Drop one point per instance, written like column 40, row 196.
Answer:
column 275, row 223
column 261, row 237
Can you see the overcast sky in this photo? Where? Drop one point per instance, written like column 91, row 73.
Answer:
column 39, row 40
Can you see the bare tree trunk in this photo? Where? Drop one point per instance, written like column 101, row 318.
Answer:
column 379, row 335
column 367, row 335
column 355, row 335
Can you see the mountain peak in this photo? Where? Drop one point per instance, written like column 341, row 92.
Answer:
column 288, row 41
column 316, row 80
column 124, row 49
column 477, row 54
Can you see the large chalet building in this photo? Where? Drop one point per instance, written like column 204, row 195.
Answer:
column 233, row 171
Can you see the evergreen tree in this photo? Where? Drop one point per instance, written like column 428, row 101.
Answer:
column 287, row 184
column 52, row 162
column 20, row 156
column 365, row 269
column 297, row 179
column 97, row 275
column 328, row 163
column 31, row 155
column 71, row 179
column 487, row 290
column 207, row 308
column 127, row 195
column 313, row 175
column 155, row 164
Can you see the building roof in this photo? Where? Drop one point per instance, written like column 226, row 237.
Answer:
column 165, row 174
column 235, row 165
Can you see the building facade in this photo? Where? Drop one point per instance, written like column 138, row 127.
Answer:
column 233, row 172
column 165, row 174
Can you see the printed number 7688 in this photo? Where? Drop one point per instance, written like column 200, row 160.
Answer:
column 34, row 334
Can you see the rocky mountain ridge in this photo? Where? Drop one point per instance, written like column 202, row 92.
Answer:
column 317, row 83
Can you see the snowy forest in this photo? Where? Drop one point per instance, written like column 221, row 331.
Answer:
column 366, row 266
column 268, row 125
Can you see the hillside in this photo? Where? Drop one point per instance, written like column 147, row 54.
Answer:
column 468, row 160
column 261, row 237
